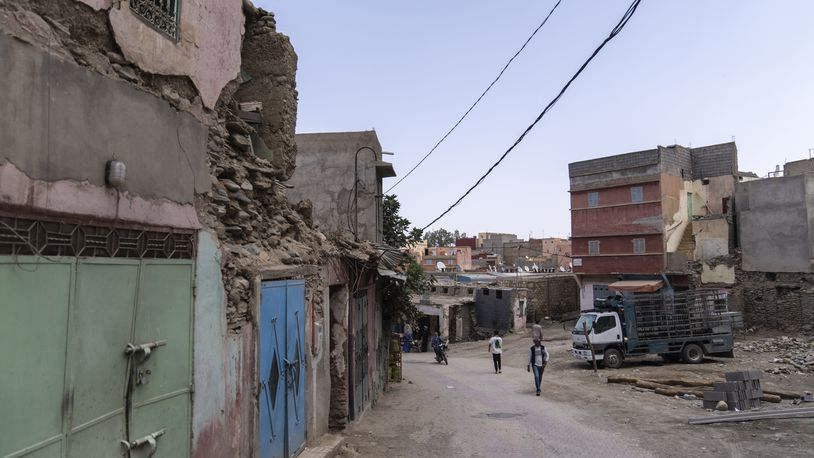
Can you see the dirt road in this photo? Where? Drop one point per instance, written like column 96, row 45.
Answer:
column 465, row 409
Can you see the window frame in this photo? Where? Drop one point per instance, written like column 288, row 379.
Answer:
column 591, row 250
column 593, row 199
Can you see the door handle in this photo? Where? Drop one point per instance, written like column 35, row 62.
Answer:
column 149, row 439
column 145, row 348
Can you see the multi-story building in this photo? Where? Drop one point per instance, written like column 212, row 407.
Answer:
column 492, row 242
column 638, row 219
column 452, row 258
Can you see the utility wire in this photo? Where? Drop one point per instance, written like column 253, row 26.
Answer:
column 616, row 30
column 479, row 98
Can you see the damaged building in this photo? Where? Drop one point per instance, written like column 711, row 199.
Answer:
column 641, row 220
column 774, row 271
column 168, row 296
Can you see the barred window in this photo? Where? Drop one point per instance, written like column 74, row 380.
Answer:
column 593, row 199
column 639, row 246
column 162, row 15
column 593, row 248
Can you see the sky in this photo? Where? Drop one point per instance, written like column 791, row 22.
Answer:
column 692, row 72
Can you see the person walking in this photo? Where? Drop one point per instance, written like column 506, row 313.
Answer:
column 538, row 358
column 536, row 331
column 496, row 349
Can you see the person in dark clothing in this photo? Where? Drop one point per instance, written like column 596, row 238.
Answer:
column 538, row 358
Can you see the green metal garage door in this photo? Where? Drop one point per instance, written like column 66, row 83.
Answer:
column 95, row 357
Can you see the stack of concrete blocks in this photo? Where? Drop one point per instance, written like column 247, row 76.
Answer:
column 740, row 391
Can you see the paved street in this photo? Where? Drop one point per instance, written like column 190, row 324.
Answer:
column 465, row 409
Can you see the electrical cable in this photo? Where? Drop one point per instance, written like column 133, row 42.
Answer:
column 616, row 30
column 488, row 88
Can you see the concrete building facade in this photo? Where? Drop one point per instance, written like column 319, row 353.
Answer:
column 328, row 164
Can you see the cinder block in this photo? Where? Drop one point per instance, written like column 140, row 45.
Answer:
column 714, row 396
column 755, row 374
column 737, row 376
column 726, row 386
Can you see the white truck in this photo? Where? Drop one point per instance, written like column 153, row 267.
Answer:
column 683, row 325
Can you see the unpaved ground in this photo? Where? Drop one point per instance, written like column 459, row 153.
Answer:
column 481, row 417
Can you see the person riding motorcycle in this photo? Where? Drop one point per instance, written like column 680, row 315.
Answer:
column 437, row 343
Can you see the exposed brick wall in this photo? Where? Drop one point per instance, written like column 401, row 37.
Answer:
column 551, row 296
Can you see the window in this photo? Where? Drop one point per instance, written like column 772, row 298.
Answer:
column 689, row 205
column 605, row 323
column 426, row 252
column 521, row 311
column 161, row 15
column 593, row 248
column 485, row 291
column 499, row 294
column 639, row 246
column 636, row 194
column 470, row 290
column 428, row 262
column 593, row 199
column 725, row 205
column 446, row 290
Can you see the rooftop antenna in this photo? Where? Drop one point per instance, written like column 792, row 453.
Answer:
column 809, row 152
column 733, row 138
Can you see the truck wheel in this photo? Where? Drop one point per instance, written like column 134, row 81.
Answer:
column 692, row 354
column 613, row 358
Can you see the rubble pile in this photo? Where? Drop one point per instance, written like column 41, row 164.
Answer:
column 795, row 354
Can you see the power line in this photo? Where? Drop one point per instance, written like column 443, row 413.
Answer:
column 616, row 30
column 479, row 98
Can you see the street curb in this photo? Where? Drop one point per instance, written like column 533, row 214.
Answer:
column 326, row 447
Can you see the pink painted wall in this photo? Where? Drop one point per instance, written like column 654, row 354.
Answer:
column 66, row 197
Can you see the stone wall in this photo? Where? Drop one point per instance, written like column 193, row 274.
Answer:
column 548, row 296
column 780, row 301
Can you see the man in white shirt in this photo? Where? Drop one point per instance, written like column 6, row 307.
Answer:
column 496, row 349
column 538, row 358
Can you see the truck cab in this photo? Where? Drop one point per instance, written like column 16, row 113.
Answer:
column 605, row 333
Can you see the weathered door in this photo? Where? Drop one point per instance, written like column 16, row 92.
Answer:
column 360, row 355
column 160, row 384
column 282, row 368
column 72, row 389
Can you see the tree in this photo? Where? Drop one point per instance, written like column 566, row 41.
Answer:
column 397, row 296
column 397, row 232
column 443, row 237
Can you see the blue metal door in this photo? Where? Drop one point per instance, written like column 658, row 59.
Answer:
column 282, row 368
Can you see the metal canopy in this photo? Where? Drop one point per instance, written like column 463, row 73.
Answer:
column 637, row 286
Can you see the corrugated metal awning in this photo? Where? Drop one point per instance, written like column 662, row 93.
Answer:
column 637, row 286
column 392, row 274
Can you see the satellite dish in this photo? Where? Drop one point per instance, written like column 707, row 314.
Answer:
column 526, row 268
column 440, row 266
column 562, row 269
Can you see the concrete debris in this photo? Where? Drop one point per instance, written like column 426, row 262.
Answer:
column 722, row 406
column 797, row 352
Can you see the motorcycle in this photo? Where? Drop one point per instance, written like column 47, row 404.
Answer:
column 441, row 354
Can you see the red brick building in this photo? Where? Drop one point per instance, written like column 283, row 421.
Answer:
column 634, row 216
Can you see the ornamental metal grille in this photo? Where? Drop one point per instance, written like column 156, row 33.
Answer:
column 162, row 15
column 51, row 238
